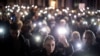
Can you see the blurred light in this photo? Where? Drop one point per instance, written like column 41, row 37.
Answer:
column 8, row 14
column 99, row 28
column 23, row 16
column 70, row 14
column 92, row 12
column 11, row 18
column 57, row 10
column 46, row 8
column 88, row 8
column 94, row 23
column 73, row 21
column 98, row 11
column 1, row 30
column 55, row 14
column 45, row 12
column 67, row 8
column 8, row 6
column 28, row 7
column 34, row 24
column 32, row 5
column 8, row 9
column 72, row 11
column 35, row 7
column 83, row 13
column 61, row 30
column 39, row 14
column 11, row 10
column 92, row 20
column 40, row 23
column 21, row 13
column 23, row 7
column 79, row 14
column 89, row 12
column 43, row 29
column 79, row 45
column 85, row 22
column 63, row 10
column 75, row 16
column 5, row 6
column 49, row 16
column 38, row 39
column 26, row 13
column 98, row 19
column 0, row 13
column 41, row 11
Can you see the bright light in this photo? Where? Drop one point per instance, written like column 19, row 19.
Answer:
column 5, row 6
column 8, row 14
column 67, row 8
column 43, row 29
column 55, row 14
column 79, row 14
column 88, row 8
column 11, row 10
column 98, row 19
column 41, row 11
column 89, row 12
column 94, row 23
column 0, row 13
column 75, row 16
column 73, row 21
column 1, row 30
column 11, row 18
column 23, row 16
column 70, row 14
column 28, row 7
column 26, row 13
column 83, row 13
column 40, row 23
column 85, row 22
column 92, row 12
column 49, row 16
column 92, row 20
column 46, row 8
column 79, row 45
column 35, row 7
column 61, row 30
column 99, row 28
column 38, row 39
column 45, row 12
column 57, row 10
column 34, row 24
column 21, row 13
column 32, row 5
column 39, row 14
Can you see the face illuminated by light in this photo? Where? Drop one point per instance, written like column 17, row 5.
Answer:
column 49, row 46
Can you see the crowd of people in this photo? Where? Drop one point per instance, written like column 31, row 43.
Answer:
column 33, row 31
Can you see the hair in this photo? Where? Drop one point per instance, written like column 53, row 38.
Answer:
column 49, row 37
column 77, row 33
column 91, row 33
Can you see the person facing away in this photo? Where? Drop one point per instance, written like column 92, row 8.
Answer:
column 15, row 44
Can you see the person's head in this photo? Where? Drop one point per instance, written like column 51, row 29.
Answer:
column 49, row 44
column 14, row 30
column 62, row 22
column 75, row 36
column 88, row 37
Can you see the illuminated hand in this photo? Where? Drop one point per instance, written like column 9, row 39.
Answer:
column 63, row 40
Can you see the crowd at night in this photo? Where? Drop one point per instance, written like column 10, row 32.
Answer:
column 35, row 31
